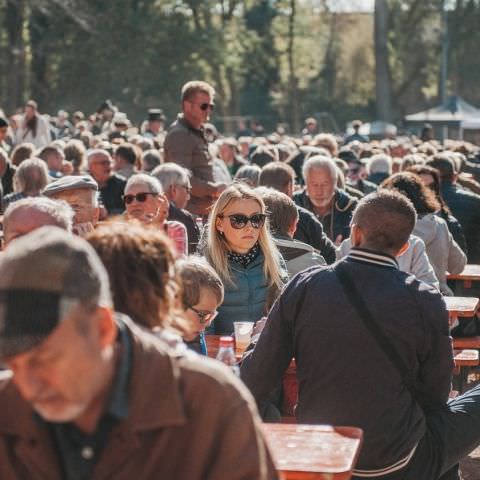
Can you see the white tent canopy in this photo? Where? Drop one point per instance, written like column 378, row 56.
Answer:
column 455, row 110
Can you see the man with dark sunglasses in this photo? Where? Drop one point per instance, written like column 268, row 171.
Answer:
column 186, row 145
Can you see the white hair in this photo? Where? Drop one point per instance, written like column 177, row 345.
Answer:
column 380, row 163
column 170, row 174
column 320, row 162
column 143, row 179
column 97, row 152
column 31, row 176
column 59, row 211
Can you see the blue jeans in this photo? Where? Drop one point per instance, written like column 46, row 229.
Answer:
column 452, row 433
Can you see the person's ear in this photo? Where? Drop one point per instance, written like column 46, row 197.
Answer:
column 356, row 235
column 107, row 327
column 172, row 191
column 219, row 224
column 293, row 228
column 403, row 249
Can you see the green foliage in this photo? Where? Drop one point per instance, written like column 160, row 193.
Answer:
column 264, row 61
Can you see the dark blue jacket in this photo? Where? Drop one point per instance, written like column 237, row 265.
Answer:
column 465, row 206
column 336, row 223
column 310, row 230
column 246, row 300
column 344, row 377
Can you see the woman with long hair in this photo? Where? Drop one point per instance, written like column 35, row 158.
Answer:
column 33, row 127
column 443, row 251
column 431, row 179
column 241, row 250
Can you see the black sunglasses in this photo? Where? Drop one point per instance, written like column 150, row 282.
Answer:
column 139, row 197
column 206, row 106
column 239, row 220
column 204, row 316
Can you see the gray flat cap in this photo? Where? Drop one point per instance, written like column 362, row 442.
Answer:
column 70, row 182
column 40, row 275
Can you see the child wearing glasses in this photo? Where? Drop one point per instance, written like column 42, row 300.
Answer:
column 202, row 293
column 240, row 248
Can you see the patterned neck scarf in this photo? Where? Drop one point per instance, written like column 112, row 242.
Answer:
column 245, row 259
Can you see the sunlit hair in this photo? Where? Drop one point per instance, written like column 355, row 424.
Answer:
column 413, row 188
column 140, row 264
column 31, row 176
column 217, row 247
column 22, row 152
column 190, row 89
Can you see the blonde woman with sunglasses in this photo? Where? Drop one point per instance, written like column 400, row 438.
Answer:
column 241, row 250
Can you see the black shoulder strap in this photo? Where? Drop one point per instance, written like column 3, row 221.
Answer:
column 372, row 326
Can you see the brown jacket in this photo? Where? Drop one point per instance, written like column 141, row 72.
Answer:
column 189, row 419
column 188, row 147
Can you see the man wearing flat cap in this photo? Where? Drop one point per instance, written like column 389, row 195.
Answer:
column 81, row 193
column 154, row 128
column 89, row 395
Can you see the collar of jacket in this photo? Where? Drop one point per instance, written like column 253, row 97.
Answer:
column 343, row 201
column 181, row 119
column 254, row 263
column 160, row 406
column 363, row 255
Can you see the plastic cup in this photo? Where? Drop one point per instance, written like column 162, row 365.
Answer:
column 243, row 335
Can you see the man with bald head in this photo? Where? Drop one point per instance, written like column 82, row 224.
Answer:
column 28, row 214
column 110, row 184
column 332, row 206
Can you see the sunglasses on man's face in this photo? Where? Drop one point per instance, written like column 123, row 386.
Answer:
column 238, row 220
column 205, row 106
column 139, row 197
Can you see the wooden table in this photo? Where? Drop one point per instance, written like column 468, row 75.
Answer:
column 313, row 452
column 461, row 307
column 471, row 273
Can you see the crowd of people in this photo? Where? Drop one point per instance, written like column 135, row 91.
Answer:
column 125, row 247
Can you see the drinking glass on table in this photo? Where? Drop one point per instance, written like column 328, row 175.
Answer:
column 243, row 335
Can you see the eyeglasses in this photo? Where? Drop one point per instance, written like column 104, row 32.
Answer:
column 205, row 106
column 204, row 316
column 238, row 220
column 139, row 197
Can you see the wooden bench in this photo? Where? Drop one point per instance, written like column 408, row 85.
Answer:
column 471, row 273
column 464, row 360
column 461, row 343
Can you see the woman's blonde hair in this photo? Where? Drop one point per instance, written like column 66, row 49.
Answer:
column 217, row 247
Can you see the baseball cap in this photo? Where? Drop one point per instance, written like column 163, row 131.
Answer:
column 70, row 182
column 42, row 275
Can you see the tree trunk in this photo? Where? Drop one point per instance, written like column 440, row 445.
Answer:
column 293, row 113
column 40, row 87
column 14, row 19
column 383, row 78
